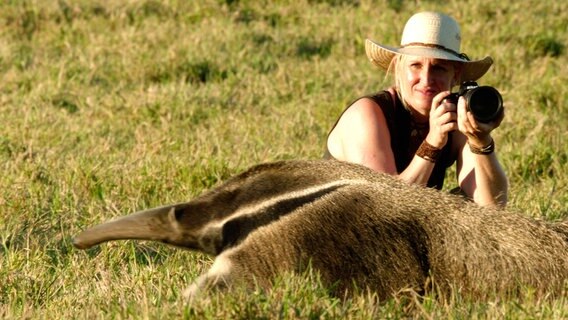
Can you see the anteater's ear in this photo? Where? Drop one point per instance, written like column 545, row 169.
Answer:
column 159, row 224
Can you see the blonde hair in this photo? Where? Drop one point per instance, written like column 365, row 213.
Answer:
column 397, row 64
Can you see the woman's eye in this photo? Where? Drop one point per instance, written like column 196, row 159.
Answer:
column 440, row 68
column 437, row 68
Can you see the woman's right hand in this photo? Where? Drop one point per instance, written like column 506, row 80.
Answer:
column 443, row 120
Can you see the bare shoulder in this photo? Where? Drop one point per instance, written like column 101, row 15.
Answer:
column 361, row 129
column 362, row 113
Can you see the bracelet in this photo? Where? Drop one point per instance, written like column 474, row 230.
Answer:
column 488, row 149
column 428, row 152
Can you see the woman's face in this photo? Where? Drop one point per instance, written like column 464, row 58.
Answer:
column 424, row 78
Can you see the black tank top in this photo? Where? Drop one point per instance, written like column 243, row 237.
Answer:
column 403, row 143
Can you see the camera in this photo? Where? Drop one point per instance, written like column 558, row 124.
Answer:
column 484, row 102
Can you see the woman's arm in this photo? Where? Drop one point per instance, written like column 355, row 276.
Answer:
column 362, row 136
column 480, row 176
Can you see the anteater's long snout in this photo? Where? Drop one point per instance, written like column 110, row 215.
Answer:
column 156, row 224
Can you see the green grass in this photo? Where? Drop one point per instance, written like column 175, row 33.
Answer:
column 108, row 107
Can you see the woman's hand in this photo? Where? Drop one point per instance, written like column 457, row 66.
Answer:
column 478, row 133
column 443, row 120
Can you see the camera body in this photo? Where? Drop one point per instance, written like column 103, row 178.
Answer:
column 484, row 102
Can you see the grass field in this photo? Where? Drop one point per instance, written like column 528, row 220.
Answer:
column 107, row 107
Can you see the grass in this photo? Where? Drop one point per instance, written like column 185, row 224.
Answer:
column 108, row 107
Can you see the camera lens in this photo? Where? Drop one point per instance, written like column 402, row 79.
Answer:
column 484, row 102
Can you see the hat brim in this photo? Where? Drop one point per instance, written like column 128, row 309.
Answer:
column 382, row 56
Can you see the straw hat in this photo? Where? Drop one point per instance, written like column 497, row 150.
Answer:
column 432, row 35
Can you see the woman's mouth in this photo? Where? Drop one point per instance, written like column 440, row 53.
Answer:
column 427, row 93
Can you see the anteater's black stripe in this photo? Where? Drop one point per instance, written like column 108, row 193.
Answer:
column 237, row 229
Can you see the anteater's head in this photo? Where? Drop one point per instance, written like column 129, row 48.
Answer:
column 225, row 215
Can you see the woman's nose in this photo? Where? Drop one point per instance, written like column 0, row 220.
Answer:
column 426, row 75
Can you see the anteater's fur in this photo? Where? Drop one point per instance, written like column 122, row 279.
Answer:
column 355, row 227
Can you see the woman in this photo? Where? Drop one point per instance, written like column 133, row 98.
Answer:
column 411, row 130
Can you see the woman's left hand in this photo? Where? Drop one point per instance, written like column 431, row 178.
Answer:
column 478, row 133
